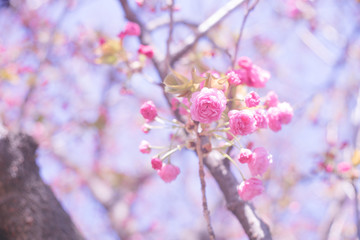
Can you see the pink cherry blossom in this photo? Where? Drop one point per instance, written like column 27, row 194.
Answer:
column 144, row 147
column 260, row 161
column 148, row 111
column 252, row 99
column 146, row 50
column 260, row 117
column 258, row 77
column 250, row 188
column 242, row 122
column 156, row 163
column 207, row 105
column 273, row 116
column 245, row 155
column 244, row 75
column 233, row 78
column 245, row 62
column 168, row 172
column 271, row 99
column 343, row 167
column 131, row 29
column 286, row 112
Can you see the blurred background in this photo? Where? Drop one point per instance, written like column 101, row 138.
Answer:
column 84, row 113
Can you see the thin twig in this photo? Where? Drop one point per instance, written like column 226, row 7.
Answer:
column 171, row 29
column 248, row 10
column 204, row 27
column 203, row 185
column 165, row 20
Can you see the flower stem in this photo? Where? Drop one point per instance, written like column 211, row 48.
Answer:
column 206, row 211
column 233, row 162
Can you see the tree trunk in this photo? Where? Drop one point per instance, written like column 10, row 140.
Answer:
column 29, row 209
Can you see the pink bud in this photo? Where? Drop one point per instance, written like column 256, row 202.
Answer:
column 148, row 111
column 131, row 29
column 146, row 50
column 245, row 62
column 156, row 163
column 144, row 147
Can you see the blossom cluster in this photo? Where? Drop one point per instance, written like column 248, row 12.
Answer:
column 224, row 111
column 112, row 51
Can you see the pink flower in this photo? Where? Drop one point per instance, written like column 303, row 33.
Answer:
column 260, row 117
column 343, row 167
column 252, row 99
column 233, row 78
column 168, row 172
column 148, row 111
column 131, row 29
column 144, row 147
column 207, row 105
column 245, row 155
column 258, row 77
column 146, row 50
column 271, row 99
column 282, row 114
column 156, row 163
column 242, row 122
column 250, row 188
column 273, row 116
column 245, row 62
column 261, row 161
column 286, row 112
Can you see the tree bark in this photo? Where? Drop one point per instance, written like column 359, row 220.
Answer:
column 29, row 209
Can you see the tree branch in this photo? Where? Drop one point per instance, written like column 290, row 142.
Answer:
column 204, row 27
column 28, row 208
column 254, row 227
